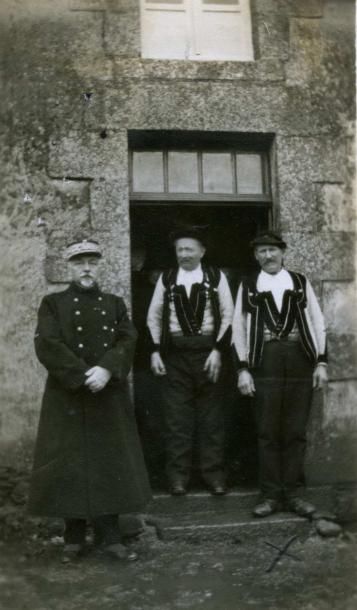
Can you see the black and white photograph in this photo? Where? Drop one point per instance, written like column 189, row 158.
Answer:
column 178, row 353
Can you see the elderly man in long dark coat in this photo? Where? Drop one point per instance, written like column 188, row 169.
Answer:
column 88, row 460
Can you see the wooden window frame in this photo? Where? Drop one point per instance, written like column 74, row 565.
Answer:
column 254, row 199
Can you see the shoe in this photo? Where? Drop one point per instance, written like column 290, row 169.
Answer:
column 301, row 507
column 120, row 552
column 217, row 488
column 177, row 488
column 72, row 552
column 266, row 507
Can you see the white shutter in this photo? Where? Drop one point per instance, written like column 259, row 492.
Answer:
column 196, row 29
column 164, row 29
column 223, row 30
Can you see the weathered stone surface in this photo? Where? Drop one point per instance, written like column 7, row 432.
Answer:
column 307, row 8
column 345, row 503
column 342, row 350
column 328, row 529
column 323, row 256
column 263, row 69
column 313, row 158
column 306, row 51
column 340, row 407
column 334, row 209
column 339, row 301
column 122, row 33
column 85, row 155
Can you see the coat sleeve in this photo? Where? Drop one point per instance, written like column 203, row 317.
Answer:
column 119, row 358
column 52, row 351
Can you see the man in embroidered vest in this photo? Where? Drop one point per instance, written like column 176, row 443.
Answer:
column 88, row 461
column 280, row 342
column 189, row 323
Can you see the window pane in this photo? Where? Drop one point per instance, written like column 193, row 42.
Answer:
column 217, row 173
column 148, row 172
column 183, row 174
column 249, row 174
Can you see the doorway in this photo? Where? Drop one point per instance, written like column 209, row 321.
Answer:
column 229, row 228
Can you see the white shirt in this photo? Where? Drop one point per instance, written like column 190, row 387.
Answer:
column 276, row 284
column 188, row 278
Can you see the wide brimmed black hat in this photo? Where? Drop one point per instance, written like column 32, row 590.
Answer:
column 268, row 238
column 190, row 231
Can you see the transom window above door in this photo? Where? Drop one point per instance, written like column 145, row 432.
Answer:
column 199, row 175
column 197, row 29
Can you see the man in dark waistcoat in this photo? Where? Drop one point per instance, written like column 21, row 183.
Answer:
column 189, row 322
column 280, row 341
column 88, row 463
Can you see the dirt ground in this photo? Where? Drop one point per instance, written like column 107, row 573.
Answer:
column 180, row 575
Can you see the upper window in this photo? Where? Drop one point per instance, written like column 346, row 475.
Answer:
column 199, row 175
column 197, row 29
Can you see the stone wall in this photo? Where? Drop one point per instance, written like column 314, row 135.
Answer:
column 70, row 157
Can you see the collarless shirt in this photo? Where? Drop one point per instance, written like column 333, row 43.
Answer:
column 188, row 278
column 276, row 283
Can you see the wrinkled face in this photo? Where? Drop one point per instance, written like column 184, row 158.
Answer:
column 189, row 253
column 84, row 270
column 270, row 258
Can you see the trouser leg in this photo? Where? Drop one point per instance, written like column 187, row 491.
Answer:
column 210, row 427
column 269, row 384
column 106, row 530
column 295, row 414
column 178, row 394
column 75, row 531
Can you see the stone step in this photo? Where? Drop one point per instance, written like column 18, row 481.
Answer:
column 199, row 516
column 236, row 499
column 236, row 528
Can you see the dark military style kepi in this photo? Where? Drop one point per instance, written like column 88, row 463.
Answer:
column 268, row 238
column 79, row 248
column 189, row 231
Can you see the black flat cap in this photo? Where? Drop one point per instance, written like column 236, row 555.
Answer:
column 190, row 231
column 268, row 238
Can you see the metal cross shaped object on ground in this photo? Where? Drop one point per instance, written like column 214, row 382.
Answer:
column 283, row 551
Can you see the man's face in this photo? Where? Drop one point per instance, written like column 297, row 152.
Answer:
column 189, row 253
column 270, row 258
column 84, row 270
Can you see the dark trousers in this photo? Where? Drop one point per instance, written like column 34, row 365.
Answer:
column 106, row 530
column 191, row 403
column 283, row 398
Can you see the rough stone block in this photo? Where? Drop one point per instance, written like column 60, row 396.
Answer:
column 272, row 33
column 122, row 33
column 297, row 206
column 340, row 407
column 306, row 51
column 335, row 210
column 85, row 155
column 342, row 350
column 322, row 256
column 339, row 302
column 110, row 204
column 316, row 158
column 306, row 8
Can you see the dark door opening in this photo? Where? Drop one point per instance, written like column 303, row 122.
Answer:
column 229, row 227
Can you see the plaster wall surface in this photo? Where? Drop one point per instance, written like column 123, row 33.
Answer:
column 70, row 156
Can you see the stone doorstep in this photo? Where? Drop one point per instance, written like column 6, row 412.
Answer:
column 235, row 529
column 200, row 516
column 236, row 500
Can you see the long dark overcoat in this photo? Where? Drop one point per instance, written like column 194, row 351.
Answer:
column 88, row 458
